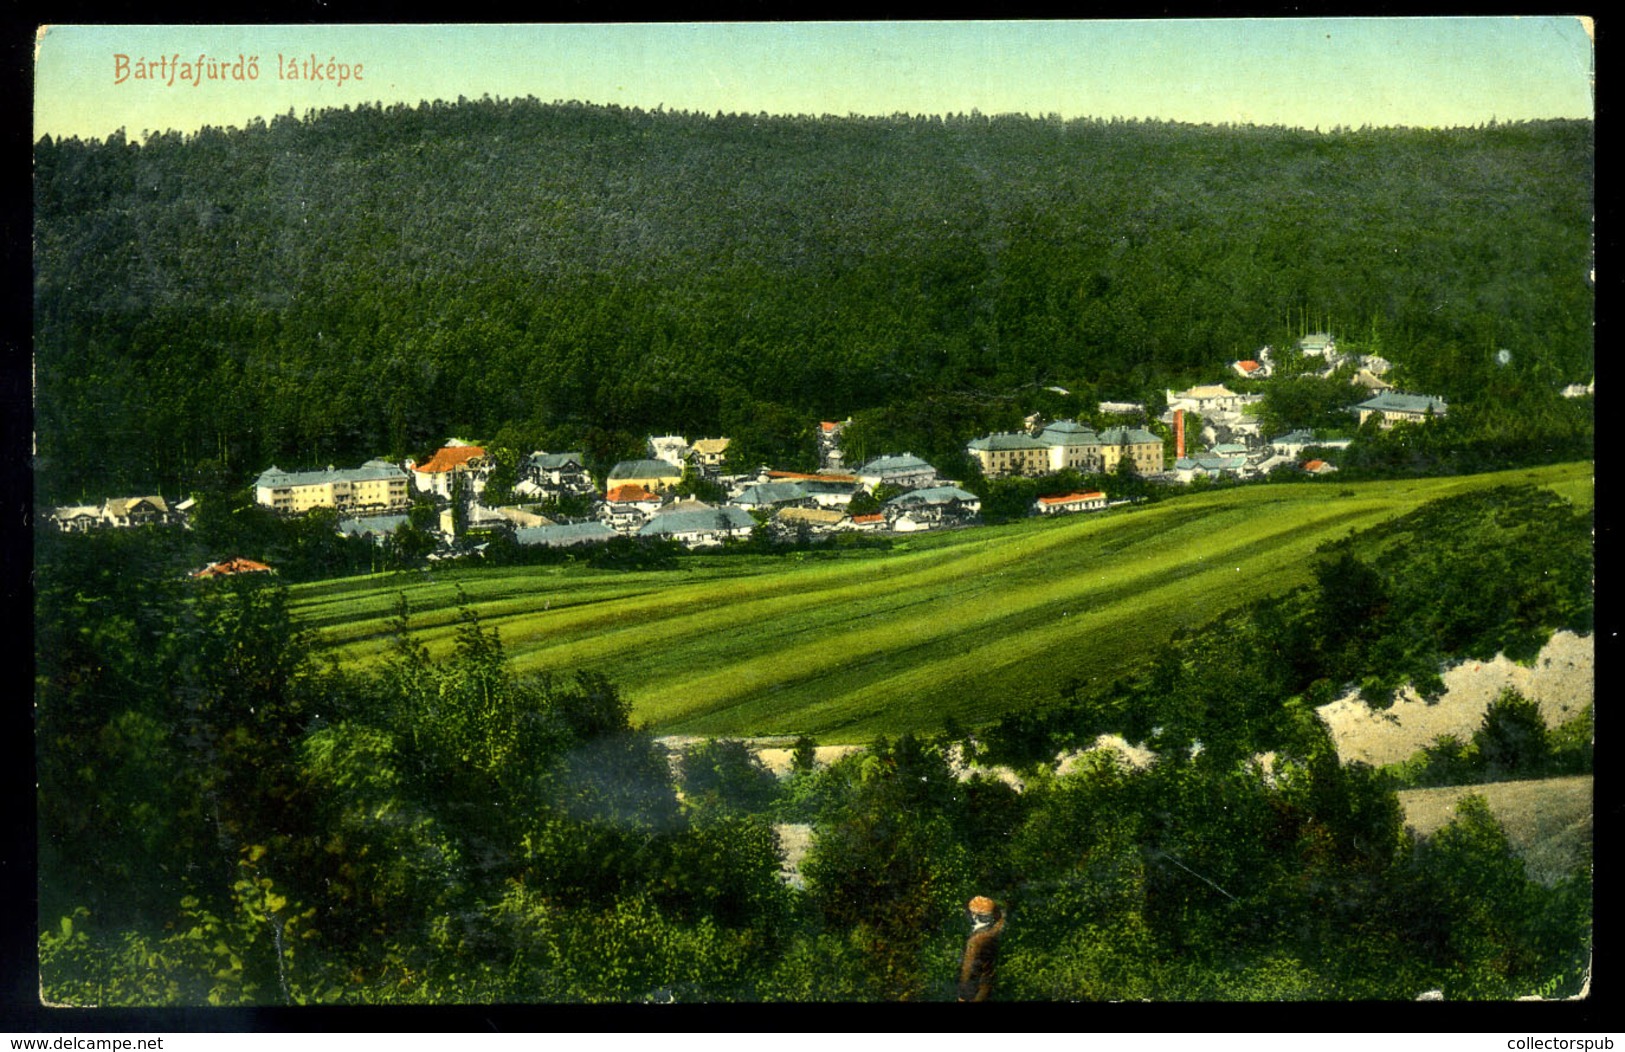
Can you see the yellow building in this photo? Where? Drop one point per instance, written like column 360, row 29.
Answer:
column 376, row 485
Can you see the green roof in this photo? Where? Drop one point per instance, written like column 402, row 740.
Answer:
column 1126, row 436
column 1006, row 441
column 372, row 471
column 1394, row 402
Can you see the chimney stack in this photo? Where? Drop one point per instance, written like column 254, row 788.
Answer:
column 1179, row 434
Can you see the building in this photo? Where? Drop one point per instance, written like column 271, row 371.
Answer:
column 830, row 454
column 1209, row 398
column 1249, row 369
column 931, row 508
column 871, row 523
column 544, row 474
column 115, row 513
column 1292, row 443
column 1142, row 449
column 1070, row 502
column 815, row 521
column 709, row 454
column 1010, row 453
column 907, row 471
column 1392, row 407
column 1188, row 469
column 456, row 460
column 231, row 567
column 376, row 485
column 1123, row 408
column 1071, row 445
column 626, row 508
column 570, row 535
column 1319, row 345
column 1318, row 467
column 374, row 527
column 661, row 476
column 695, row 524
column 673, row 449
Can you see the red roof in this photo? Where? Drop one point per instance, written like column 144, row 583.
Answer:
column 449, row 458
column 876, row 517
column 1071, row 497
column 1247, row 366
column 828, row 425
column 630, row 494
column 1314, row 465
column 231, row 566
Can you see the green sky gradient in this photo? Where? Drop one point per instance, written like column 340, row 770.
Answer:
column 1299, row 72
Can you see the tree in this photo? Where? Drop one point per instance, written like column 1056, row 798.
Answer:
column 1512, row 739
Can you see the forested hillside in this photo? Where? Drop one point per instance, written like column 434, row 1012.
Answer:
column 367, row 282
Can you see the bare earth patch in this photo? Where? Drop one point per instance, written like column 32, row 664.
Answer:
column 1561, row 681
column 1548, row 820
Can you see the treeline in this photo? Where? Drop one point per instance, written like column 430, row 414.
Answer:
column 225, row 820
column 370, row 281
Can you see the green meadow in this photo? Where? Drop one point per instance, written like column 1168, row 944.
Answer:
column 971, row 624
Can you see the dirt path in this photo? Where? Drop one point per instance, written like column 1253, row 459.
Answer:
column 1548, row 821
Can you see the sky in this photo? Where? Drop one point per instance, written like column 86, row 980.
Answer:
column 1308, row 73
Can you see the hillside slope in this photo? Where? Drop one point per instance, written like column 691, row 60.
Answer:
column 972, row 625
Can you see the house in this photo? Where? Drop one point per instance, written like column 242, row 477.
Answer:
column 830, row 454
column 518, row 518
column 907, row 471
column 1009, row 453
column 1319, row 345
column 1071, row 445
column 1318, row 467
column 767, row 495
column 1392, row 407
column 373, row 527
column 1210, row 398
column 1249, row 369
column 930, row 508
column 456, row 460
column 77, row 518
column 1375, row 364
column 816, row 521
column 1142, row 449
column 709, row 453
column 695, row 524
column 1069, row 502
column 626, row 508
column 1292, row 443
column 1370, row 381
column 1188, row 469
column 867, row 523
column 660, row 476
column 544, row 474
column 230, row 567
column 671, row 448
column 1228, row 449
column 569, row 535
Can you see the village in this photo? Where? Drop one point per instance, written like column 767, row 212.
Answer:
column 554, row 502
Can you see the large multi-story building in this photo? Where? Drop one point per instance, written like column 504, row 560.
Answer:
column 454, row 460
column 376, row 485
column 1010, row 453
column 1391, row 407
column 1067, row 444
column 1138, row 446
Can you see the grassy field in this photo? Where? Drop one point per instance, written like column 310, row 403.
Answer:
column 973, row 623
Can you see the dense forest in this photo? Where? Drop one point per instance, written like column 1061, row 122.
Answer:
column 371, row 281
column 226, row 820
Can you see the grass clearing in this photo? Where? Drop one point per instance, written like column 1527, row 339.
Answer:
column 971, row 623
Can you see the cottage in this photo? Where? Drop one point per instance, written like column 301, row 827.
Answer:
column 695, row 524
column 768, row 495
column 930, row 508
column 907, row 471
column 1249, row 369
column 870, row 523
column 77, row 518
column 830, row 454
column 1070, row 502
column 662, row 476
column 1370, row 381
column 457, row 460
column 1392, row 407
column 671, row 448
column 1318, row 467
column 569, row 535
